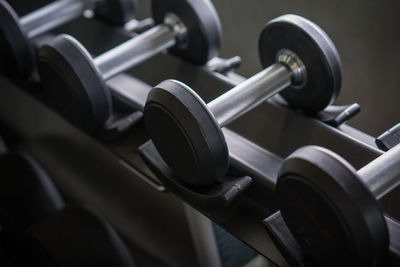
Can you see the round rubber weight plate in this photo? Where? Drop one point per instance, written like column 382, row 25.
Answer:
column 316, row 50
column 329, row 211
column 203, row 24
column 185, row 133
column 16, row 54
column 72, row 83
column 117, row 12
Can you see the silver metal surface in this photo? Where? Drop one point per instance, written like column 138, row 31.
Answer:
column 289, row 70
column 249, row 94
column 223, row 65
column 139, row 25
column 293, row 61
column 53, row 15
column 135, row 51
column 180, row 30
column 383, row 174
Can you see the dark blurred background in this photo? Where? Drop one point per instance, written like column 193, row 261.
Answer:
column 366, row 33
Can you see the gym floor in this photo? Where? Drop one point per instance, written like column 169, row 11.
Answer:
column 364, row 31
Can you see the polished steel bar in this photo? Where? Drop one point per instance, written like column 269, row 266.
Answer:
column 135, row 50
column 382, row 174
column 250, row 93
column 53, row 15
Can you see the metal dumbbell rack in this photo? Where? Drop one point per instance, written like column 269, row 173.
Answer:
column 257, row 142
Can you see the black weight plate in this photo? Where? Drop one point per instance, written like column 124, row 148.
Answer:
column 185, row 133
column 315, row 49
column 16, row 53
column 329, row 211
column 203, row 25
column 117, row 12
column 72, row 83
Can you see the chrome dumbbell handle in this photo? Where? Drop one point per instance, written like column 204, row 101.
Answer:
column 382, row 174
column 135, row 51
column 53, row 15
column 144, row 46
column 239, row 100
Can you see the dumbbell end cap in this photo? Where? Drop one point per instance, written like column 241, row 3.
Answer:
column 17, row 59
column 185, row 133
column 317, row 52
column 72, row 83
column 329, row 211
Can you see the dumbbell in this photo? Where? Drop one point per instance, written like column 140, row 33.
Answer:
column 16, row 33
column 301, row 63
column 332, row 210
column 75, row 82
